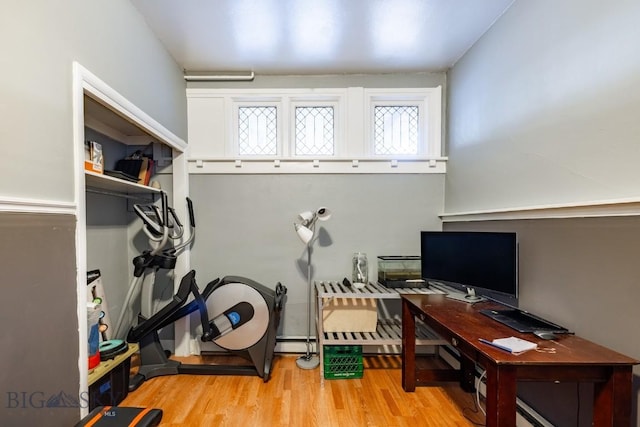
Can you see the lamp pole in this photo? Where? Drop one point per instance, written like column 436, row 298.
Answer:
column 306, row 231
column 309, row 361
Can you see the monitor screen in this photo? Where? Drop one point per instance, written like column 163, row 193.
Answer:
column 478, row 260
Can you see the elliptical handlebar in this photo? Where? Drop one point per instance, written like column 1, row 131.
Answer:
column 164, row 200
column 192, row 223
column 162, row 224
column 192, row 218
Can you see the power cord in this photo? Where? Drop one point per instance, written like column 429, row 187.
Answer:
column 478, row 391
column 476, row 401
column 474, row 411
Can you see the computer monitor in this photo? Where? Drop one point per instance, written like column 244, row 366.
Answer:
column 482, row 262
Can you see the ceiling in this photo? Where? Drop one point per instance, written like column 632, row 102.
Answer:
column 319, row 36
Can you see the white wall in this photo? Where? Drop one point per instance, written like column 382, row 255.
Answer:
column 544, row 108
column 39, row 40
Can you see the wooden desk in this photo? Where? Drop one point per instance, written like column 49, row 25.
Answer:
column 568, row 359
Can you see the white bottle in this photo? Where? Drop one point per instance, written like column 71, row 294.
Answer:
column 360, row 273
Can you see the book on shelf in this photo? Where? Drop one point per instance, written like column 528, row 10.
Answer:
column 150, row 171
column 144, row 167
column 93, row 157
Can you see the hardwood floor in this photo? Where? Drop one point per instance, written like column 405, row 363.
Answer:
column 296, row 397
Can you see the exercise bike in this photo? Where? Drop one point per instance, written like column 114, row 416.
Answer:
column 238, row 314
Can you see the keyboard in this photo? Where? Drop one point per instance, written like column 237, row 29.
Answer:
column 522, row 321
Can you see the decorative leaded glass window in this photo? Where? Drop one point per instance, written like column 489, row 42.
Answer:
column 314, row 131
column 257, row 130
column 395, row 129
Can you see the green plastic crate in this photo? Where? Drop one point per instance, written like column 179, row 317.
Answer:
column 343, row 361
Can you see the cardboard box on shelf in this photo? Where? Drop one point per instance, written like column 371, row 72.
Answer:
column 350, row 315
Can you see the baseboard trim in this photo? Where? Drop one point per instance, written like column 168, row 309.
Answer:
column 290, row 346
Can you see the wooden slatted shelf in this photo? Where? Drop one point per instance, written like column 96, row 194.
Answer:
column 388, row 334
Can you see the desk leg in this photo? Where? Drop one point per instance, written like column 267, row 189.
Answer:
column 612, row 399
column 408, row 348
column 501, row 396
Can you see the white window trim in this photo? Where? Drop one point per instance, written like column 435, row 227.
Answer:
column 429, row 103
column 353, row 114
column 422, row 128
column 231, row 143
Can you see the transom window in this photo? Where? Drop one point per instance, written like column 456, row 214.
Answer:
column 258, row 130
column 314, row 131
column 395, row 129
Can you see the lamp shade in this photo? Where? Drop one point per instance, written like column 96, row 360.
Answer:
column 323, row 214
column 306, row 216
column 305, row 234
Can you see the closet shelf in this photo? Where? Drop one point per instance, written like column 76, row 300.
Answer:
column 113, row 186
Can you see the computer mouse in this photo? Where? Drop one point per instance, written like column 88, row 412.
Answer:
column 545, row 335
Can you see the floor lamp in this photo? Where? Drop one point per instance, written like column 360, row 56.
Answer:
column 306, row 230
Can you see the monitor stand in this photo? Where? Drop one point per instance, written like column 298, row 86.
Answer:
column 470, row 297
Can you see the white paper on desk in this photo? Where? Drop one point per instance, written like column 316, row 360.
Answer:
column 516, row 345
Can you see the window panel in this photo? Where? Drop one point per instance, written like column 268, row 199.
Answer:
column 289, row 127
column 314, row 131
column 395, row 129
column 257, row 130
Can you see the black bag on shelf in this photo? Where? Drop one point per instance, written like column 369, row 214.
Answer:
column 129, row 166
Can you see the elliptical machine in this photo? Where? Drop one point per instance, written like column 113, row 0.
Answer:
column 162, row 227
column 236, row 313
